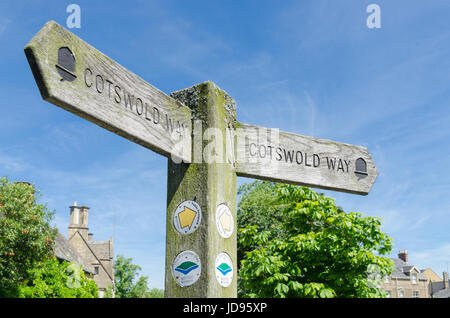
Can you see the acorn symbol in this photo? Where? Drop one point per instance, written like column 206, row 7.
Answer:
column 360, row 168
column 66, row 64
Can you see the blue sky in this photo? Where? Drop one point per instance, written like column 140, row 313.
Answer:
column 309, row 67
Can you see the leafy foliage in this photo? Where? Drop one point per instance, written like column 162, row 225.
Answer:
column 155, row 293
column 126, row 279
column 298, row 243
column 27, row 265
column 58, row 280
column 26, row 238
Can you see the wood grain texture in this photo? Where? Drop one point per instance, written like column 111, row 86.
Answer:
column 109, row 95
column 270, row 154
column 209, row 184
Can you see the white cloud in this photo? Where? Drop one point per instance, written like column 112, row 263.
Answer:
column 4, row 22
column 11, row 163
column 188, row 47
column 437, row 258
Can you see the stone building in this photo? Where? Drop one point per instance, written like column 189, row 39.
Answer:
column 65, row 252
column 431, row 275
column 406, row 281
column 440, row 288
column 97, row 257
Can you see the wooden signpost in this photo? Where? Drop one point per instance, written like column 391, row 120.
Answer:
column 207, row 149
column 75, row 76
column 275, row 155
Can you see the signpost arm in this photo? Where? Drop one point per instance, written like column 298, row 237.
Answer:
column 210, row 180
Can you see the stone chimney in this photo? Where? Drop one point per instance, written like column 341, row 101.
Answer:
column 84, row 213
column 74, row 219
column 403, row 255
column 445, row 276
column 90, row 237
column 78, row 220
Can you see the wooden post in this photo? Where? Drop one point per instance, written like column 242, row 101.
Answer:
column 211, row 185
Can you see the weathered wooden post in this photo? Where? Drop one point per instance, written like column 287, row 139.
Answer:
column 200, row 231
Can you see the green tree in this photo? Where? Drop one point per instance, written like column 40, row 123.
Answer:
column 127, row 283
column 54, row 279
column 26, row 238
column 295, row 242
column 155, row 293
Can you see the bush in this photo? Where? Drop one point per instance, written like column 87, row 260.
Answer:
column 26, row 238
column 296, row 242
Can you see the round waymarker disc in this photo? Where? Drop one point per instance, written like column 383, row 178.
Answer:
column 186, row 268
column 187, row 217
column 224, row 269
column 224, row 220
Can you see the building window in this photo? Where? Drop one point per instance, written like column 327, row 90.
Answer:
column 386, row 279
column 96, row 270
column 415, row 294
column 401, row 293
column 388, row 294
column 414, row 278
